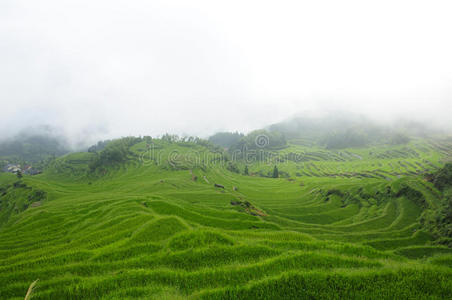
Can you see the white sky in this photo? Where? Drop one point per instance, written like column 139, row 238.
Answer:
column 112, row 68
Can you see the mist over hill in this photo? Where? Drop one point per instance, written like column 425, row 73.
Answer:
column 333, row 131
column 311, row 126
column 336, row 130
column 34, row 144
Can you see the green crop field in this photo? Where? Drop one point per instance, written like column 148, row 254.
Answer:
column 335, row 224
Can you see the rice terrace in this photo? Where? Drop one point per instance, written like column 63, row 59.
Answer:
column 173, row 149
column 173, row 218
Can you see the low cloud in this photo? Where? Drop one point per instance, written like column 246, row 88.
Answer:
column 115, row 68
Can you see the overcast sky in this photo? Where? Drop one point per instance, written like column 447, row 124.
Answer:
column 112, row 68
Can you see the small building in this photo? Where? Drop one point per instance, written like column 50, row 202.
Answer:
column 11, row 168
column 27, row 169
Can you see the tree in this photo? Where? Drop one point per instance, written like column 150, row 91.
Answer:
column 245, row 172
column 352, row 137
column 398, row 139
column 232, row 167
column 226, row 139
column 275, row 172
column 19, row 174
column 443, row 178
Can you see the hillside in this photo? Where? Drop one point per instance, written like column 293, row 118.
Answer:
column 32, row 146
column 143, row 219
column 341, row 130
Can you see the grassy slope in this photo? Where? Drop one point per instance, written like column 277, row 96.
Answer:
column 149, row 231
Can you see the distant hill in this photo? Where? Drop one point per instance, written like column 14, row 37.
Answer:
column 226, row 139
column 338, row 131
column 33, row 145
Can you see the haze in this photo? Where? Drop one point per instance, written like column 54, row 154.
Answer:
column 99, row 69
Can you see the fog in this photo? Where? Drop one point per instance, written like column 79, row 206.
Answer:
column 102, row 69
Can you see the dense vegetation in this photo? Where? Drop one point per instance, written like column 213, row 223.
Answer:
column 439, row 218
column 257, row 146
column 177, row 218
column 226, row 139
column 112, row 153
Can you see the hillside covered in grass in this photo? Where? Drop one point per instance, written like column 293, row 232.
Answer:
column 173, row 219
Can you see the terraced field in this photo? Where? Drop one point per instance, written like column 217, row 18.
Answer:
column 341, row 224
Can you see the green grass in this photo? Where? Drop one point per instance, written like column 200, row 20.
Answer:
column 334, row 229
